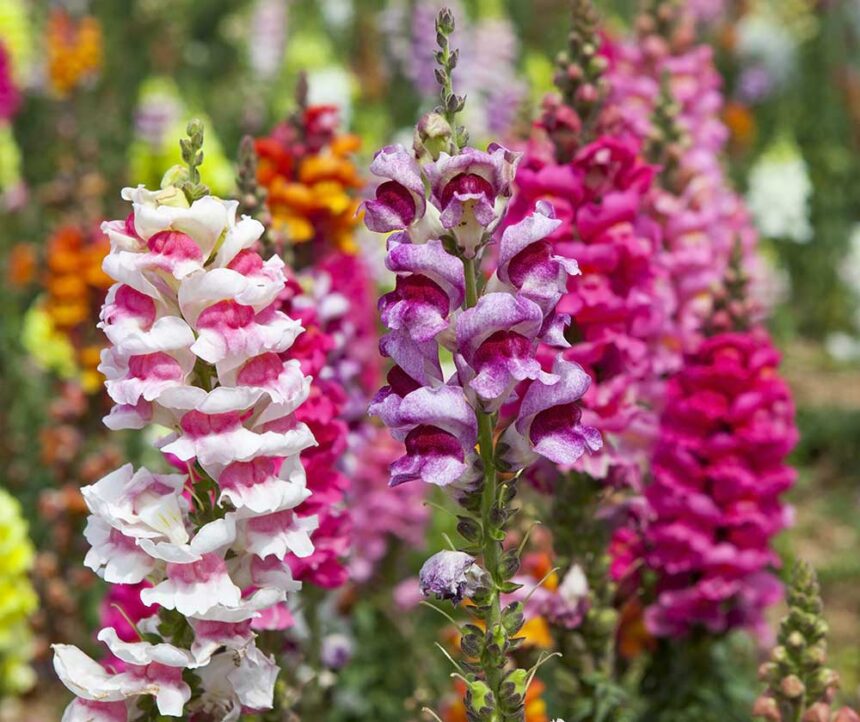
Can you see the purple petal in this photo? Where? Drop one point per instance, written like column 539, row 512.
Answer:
column 526, row 260
column 431, row 260
column 448, row 575
column 572, row 384
column 445, row 407
column 432, row 455
column 496, row 312
column 549, row 415
column 418, row 360
column 497, row 166
column 399, row 201
column 418, row 306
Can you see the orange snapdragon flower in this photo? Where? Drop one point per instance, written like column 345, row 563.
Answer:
column 312, row 181
column 76, row 287
column 742, row 125
column 74, row 50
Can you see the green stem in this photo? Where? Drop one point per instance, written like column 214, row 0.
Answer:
column 490, row 547
column 313, row 702
column 447, row 85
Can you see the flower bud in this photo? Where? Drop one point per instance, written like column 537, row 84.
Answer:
column 766, row 671
column 513, row 618
column 472, row 641
column 513, row 688
column 174, row 177
column 479, row 697
column 795, row 640
column 766, row 708
column 779, row 655
column 819, row 712
column 792, row 687
column 172, row 196
column 432, row 136
column 449, row 575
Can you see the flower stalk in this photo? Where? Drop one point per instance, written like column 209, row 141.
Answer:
column 200, row 345
column 446, row 206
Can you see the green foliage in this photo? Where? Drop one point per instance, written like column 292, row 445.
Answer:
column 699, row 679
column 385, row 680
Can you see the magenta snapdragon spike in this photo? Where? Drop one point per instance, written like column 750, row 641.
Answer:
column 718, row 473
column 701, row 217
column 599, row 193
column 323, row 412
column 446, row 205
column 197, row 345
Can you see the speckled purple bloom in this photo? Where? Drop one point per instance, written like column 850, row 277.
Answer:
column 449, row 575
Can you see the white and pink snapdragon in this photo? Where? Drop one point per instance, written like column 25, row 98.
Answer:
column 197, row 345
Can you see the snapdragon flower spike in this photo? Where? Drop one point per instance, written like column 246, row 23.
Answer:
column 491, row 311
column 612, row 290
column 714, row 502
column 199, row 344
column 494, row 342
column 701, row 216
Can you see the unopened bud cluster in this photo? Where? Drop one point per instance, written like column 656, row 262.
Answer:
column 798, row 680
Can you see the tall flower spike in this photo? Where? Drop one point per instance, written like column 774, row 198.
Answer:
column 448, row 205
column 719, row 471
column 199, row 346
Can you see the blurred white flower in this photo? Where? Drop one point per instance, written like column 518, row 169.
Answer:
column 338, row 14
column 574, row 586
column 779, row 193
column 267, row 37
column 332, row 86
column 843, row 347
column 764, row 41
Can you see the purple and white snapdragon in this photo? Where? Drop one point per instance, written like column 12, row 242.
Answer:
column 197, row 345
column 441, row 242
column 485, row 299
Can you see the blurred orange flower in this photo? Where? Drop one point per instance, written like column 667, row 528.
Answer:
column 22, row 265
column 311, row 180
column 74, row 50
column 741, row 124
column 633, row 636
column 76, row 287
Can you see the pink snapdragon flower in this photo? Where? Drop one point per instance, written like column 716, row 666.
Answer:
column 599, row 195
column 702, row 219
column 718, row 475
column 10, row 98
column 323, row 412
column 382, row 518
